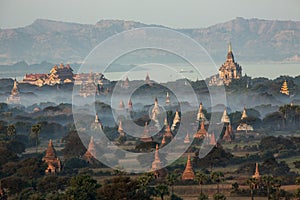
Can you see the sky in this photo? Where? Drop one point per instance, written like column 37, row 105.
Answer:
column 171, row 13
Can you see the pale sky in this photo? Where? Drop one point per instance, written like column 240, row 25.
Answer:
column 171, row 13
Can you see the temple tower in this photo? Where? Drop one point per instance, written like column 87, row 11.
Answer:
column 168, row 102
column 97, row 125
column 284, row 89
column 90, row 154
column 225, row 118
column 187, row 139
column 53, row 162
column 14, row 97
column 200, row 115
column 256, row 174
column 188, row 173
column 146, row 137
column 201, row 132
column 176, row 120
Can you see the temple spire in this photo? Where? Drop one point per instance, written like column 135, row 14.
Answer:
column 244, row 114
column 229, row 47
column 188, row 173
column 176, row 120
column 284, row 89
column 256, row 173
column 187, row 139
column 225, row 117
column 168, row 99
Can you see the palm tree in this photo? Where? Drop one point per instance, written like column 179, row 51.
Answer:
column 11, row 131
column 201, row 179
column 144, row 182
column 161, row 190
column 268, row 182
column 277, row 185
column 217, row 177
column 35, row 131
column 171, row 180
column 252, row 182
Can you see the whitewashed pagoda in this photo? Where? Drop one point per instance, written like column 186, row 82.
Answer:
column 14, row 97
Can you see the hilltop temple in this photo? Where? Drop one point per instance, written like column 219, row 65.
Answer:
column 53, row 162
column 14, row 97
column 228, row 71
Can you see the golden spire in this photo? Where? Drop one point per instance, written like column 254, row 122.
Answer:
column 91, row 149
column 130, row 105
column 227, row 135
column 121, row 105
column 225, row 117
column 284, row 88
column 176, row 120
column 244, row 114
column 168, row 132
column 50, row 152
column 146, row 137
column 163, row 141
column 212, row 140
column 200, row 114
column 188, row 173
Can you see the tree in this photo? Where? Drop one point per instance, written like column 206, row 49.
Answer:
column 161, row 190
column 202, row 196
column 268, row 180
column 11, row 131
column 35, row 131
column 217, row 177
column 143, row 183
column 82, row 187
column 201, row 179
column 252, row 182
column 171, row 180
column 277, row 185
column 219, row 196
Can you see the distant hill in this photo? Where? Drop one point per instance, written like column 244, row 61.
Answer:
column 54, row 41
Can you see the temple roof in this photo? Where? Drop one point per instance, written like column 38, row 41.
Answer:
column 50, row 152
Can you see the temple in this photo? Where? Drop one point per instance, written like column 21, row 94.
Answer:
column 187, row 139
column 176, row 120
column 146, row 137
column 168, row 132
column 125, row 84
column 120, row 129
column 188, row 173
column 96, row 125
column 201, row 132
column 243, row 126
column 156, row 167
column 228, row 71
column 225, row 118
column 14, row 97
column 200, row 115
column 228, row 135
column 168, row 102
column 284, row 89
column 256, row 174
column 88, row 88
column 130, row 108
column 90, row 154
column 53, row 162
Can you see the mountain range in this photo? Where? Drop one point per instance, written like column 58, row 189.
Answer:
column 253, row 40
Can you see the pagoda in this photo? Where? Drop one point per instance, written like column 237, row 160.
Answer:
column 200, row 115
column 284, row 89
column 168, row 132
column 243, row 126
column 125, row 84
column 156, row 108
column 121, row 105
column 130, row 108
column 156, row 167
column 156, row 121
column 14, row 97
column 147, row 80
column 201, row 132
column 53, row 162
column 168, row 102
column 187, row 139
column 212, row 139
column 176, row 120
column 97, row 125
column 120, row 129
column 225, row 118
column 90, row 154
column 188, row 173
column 146, row 137
column 163, row 141
column 256, row 174
column 228, row 133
